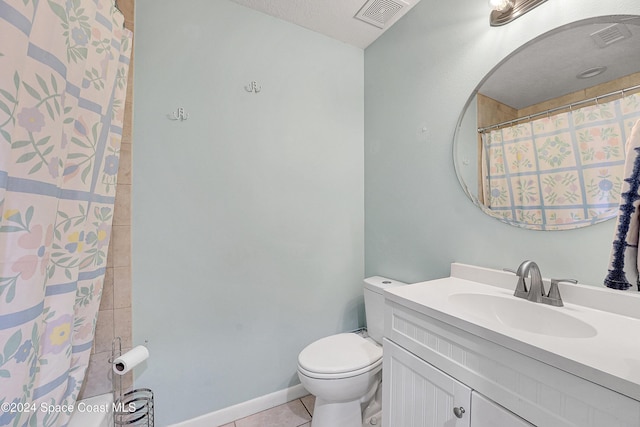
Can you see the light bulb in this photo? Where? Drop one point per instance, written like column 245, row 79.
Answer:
column 501, row 5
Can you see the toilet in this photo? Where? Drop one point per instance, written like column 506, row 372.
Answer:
column 344, row 371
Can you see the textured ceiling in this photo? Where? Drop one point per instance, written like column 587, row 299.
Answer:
column 547, row 68
column 333, row 18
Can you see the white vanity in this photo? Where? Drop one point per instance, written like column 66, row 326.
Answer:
column 463, row 351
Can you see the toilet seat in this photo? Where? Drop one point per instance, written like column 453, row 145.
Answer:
column 339, row 356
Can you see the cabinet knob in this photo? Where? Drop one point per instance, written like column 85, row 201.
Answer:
column 458, row 412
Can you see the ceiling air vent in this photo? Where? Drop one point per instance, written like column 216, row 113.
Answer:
column 379, row 12
column 611, row 34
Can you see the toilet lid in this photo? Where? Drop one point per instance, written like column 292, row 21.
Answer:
column 339, row 353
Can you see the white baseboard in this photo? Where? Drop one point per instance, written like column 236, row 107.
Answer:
column 244, row 409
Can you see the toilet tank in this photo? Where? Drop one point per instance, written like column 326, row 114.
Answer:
column 374, row 304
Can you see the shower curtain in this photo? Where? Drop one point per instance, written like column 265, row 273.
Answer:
column 559, row 171
column 63, row 75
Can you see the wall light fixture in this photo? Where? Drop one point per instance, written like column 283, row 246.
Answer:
column 505, row 11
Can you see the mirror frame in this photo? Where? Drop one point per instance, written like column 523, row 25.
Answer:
column 472, row 98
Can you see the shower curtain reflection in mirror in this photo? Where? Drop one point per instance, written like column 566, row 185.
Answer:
column 559, row 171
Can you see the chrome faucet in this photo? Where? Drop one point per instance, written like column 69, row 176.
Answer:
column 535, row 291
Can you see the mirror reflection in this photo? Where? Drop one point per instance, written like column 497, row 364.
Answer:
column 541, row 141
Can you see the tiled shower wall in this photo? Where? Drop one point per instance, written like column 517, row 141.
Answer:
column 114, row 318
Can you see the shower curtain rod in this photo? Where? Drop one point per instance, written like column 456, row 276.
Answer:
column 553, row 110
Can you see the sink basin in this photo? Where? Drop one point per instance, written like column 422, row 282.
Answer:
column 521, row 314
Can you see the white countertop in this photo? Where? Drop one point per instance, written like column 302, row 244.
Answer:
column 611, row 357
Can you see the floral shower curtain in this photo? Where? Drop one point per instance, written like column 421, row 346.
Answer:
column 559, row 171
column 63, row 75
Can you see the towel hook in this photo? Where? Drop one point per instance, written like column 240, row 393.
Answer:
column 253, row 87
column 180, row 114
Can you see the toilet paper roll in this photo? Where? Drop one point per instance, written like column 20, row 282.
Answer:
column 124, row 363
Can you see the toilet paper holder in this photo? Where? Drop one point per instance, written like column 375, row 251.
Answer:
column 133, row 407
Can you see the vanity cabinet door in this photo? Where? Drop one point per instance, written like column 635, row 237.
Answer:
column 487, row 413
column 415, row 394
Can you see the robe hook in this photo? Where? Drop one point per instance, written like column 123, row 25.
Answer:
column 253, row 87
column 180, row 114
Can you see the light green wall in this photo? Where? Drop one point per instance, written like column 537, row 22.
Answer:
column 248, row 217
column 418, row 75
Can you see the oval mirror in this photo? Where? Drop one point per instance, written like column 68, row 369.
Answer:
column 540, row 142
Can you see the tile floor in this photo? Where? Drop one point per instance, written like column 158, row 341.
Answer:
column 296, row 413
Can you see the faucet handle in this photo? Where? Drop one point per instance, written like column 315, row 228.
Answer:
column 554, row 285
column 510, row 270
column 574, row 281
column 554, row 292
